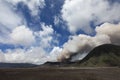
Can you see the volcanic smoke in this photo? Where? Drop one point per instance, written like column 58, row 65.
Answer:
column 82, row 44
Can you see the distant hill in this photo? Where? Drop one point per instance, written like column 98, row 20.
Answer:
column 17, row 65
column 104, row 55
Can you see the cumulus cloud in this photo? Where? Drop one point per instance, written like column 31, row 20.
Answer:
column 2, row 57
column 54, row 54
column 83, row 44
column 35, row 55
column 46, row 36
column 19, row 36
column 14, row 31
column 9, row 19
column 79, row 13
column 22, row 36
column 34, row 46
column 57, row 20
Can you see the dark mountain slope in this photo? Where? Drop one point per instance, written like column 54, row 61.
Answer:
column 104, row 55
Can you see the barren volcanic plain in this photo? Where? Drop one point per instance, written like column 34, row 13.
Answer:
column 61, row 73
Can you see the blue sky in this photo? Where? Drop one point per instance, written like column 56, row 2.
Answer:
column 47, row 16
column 30, row 26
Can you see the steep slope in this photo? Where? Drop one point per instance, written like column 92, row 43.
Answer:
column 104, row 55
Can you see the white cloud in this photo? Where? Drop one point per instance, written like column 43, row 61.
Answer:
column 34, row 43
column 45, row 36
column 33, row 5
column 19, row 36
column 9, row 19
column 46, row 30
column 35, row 55
column 56, row 20
column 2, row 57
column 54, row 54
column 14, row 31
column 80, row 13
column 22, row 36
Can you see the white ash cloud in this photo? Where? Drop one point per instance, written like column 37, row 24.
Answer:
column 111, row 30
column 83, row 44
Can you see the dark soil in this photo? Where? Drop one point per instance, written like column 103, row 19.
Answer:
column 61, row 73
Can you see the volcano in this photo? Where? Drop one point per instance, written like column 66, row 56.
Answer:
column 106, row 55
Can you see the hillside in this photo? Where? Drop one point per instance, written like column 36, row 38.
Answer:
column 105, row 55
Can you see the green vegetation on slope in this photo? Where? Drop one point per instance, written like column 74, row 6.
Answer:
column 103, row 56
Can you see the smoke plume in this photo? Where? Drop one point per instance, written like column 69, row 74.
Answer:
column 82, row 44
